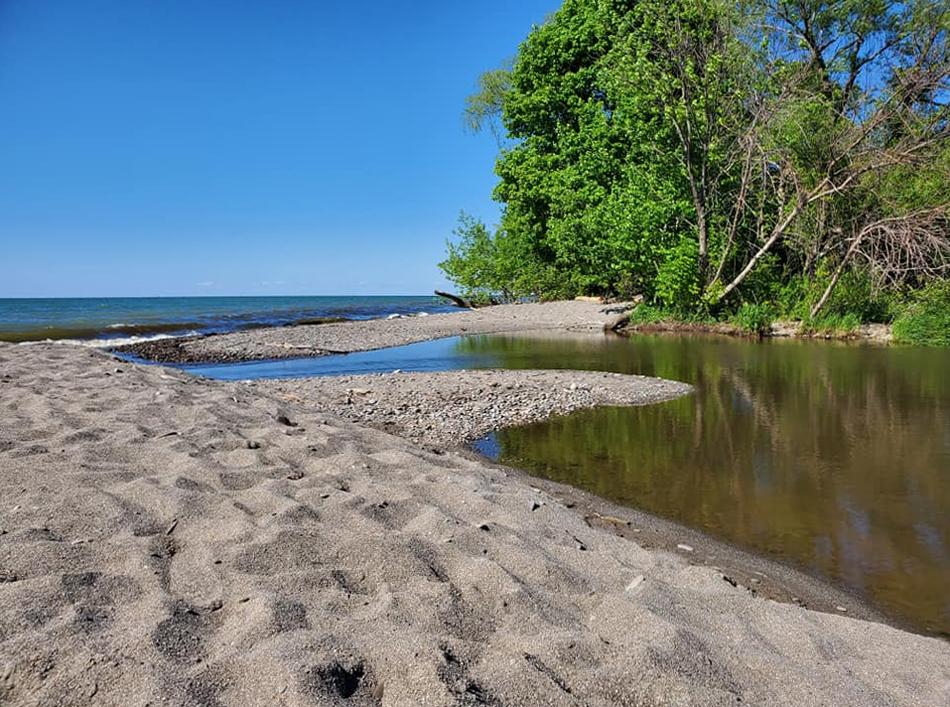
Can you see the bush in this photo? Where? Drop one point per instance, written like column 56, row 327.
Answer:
column 646, row 314
column 926, row 319
column 831, row 324
column 677, row 284
column 754, row 318
column 855, row 294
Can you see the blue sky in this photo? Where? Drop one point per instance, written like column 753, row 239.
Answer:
column 212, row 148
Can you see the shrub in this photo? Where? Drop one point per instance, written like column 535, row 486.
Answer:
column 647, row 314
column 831, row 324
column 926, row 319
column 677, row 281
column 754, row 318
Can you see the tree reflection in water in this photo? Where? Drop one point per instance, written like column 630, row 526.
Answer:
column 835, row 457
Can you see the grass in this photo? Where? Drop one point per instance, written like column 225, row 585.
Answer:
column 754, row 318
column 926, row 320
column 831, row 325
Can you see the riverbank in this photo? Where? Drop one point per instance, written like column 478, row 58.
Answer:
column 347, row 337
column 578, row 316
column 169, row 538
column 870, row 333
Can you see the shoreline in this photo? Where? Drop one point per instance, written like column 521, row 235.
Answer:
column 169, row 536
column 308, row 340
column 876, row 334
column 323, row 338
column 406, row 404
column 413, row 406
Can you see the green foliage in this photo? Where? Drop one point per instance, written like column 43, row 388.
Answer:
column 754, row 318
column 832, row 325
column 628, row 166
column 926, row 319
column 484, row 107
column 677, row 281
column 472, row 260
column 856, row 294
column 648, row 314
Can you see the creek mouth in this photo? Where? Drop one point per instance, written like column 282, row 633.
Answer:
column 831, row 458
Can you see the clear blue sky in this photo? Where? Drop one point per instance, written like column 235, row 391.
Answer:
column 179, row 148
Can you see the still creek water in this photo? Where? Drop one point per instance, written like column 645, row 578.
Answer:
column 831, row 457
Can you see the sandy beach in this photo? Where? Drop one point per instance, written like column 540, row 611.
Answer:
column 348, row 337
column 172, row 540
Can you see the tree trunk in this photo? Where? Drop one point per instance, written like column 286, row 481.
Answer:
column 835, row 277
column 777, row 233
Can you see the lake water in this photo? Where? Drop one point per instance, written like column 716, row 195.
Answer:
column 834, row 458
column 116, row 320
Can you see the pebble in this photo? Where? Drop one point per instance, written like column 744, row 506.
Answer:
column 454, row 408
column 284, row 420
column 635, row 582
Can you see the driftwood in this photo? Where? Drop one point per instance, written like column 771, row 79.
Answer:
column 456, row 300
column 618, row 321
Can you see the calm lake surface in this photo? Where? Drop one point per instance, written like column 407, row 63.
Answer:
column 834, row 458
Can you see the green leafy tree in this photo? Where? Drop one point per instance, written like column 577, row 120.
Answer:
column 708, row 154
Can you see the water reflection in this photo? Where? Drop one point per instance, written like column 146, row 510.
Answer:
column 834, row 457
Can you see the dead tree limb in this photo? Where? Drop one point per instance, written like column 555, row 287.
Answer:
column 456, row 300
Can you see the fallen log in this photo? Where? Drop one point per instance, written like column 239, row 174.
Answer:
column 456, row 300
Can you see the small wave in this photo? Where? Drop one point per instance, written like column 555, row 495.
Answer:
column 91, row 333
column 109, row 343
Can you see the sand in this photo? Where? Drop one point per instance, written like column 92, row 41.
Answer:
column 453, row 408
column 347, row 337
column 168, row 540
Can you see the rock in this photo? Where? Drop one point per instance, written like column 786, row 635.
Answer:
column 635, row 582
column 284, row 420
column 684, row 547
column 251, row 444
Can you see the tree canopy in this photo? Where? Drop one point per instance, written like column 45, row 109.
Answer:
column 707, row 154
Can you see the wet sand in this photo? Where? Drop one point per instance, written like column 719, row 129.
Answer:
column 169, row 540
